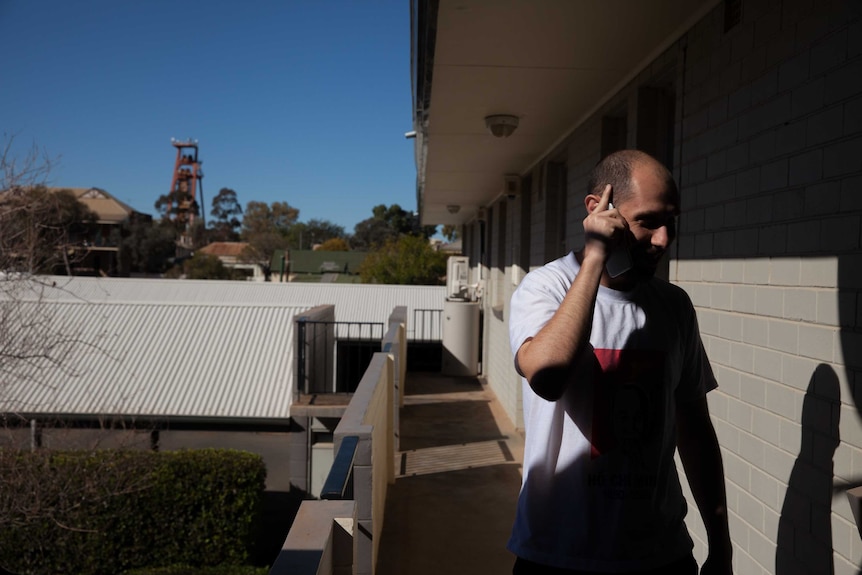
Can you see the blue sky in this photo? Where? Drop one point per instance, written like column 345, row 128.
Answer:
column 295, row 100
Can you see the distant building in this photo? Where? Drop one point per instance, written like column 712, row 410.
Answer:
column 316, row 265
column 230, row 254
column 452, row 248
column 101, row 241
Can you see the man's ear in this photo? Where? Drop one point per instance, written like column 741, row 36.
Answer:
column 591, row 201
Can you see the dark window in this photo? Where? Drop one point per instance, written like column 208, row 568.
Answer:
column 501, row 236
column 555, row 210
column 613, row 134
column 655, row 123
column 526, row 222
column 732, row 14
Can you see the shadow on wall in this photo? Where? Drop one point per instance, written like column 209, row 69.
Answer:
column 850, row 318
column 805, row 540
column 805, row 525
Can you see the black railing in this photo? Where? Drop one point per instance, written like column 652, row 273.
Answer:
column 339, row 482
column 427, row 325
column 331, row 356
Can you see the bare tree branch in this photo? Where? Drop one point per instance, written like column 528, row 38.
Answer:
column 37, row 233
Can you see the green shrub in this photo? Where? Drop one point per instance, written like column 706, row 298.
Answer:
column 101, row 512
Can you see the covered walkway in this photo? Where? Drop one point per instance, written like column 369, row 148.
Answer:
column 458, row 472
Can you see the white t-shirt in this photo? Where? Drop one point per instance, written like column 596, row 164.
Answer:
column 600, row 489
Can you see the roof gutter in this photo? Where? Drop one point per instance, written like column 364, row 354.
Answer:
column 423, row 37
column 112, row 422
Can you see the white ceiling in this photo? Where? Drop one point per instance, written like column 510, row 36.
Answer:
column 549, row 62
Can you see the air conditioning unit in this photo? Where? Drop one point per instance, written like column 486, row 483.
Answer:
column 512, row 186
column 457, row 278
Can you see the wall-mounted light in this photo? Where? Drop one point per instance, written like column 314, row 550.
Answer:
column 453, row 208
column 501, row 125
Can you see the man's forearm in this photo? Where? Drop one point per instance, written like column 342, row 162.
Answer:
column 547, row 359
column 709, row 493
column 701, row 459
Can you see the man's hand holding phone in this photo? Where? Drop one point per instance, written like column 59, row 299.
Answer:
column 606, row 229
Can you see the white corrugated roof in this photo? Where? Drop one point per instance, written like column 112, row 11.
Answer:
column 353, row 302
column 182, row 348
column 163, row 361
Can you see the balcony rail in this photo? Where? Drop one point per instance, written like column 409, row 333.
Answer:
column 339, row 482
column 395, row 344
column 427, row 325
column 330, row 354
column 364, row 443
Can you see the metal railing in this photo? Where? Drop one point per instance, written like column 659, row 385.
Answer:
column 332, row 355
column 339, row 482
column 427, row 325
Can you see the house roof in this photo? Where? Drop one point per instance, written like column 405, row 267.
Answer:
column 224, row 249
column 320, row 261
column 147, row 356
column 353, row 302
column 108, row 209
column 181, row 349
column 551, row 63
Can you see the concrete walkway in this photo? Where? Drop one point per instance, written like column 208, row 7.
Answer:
column 457, row 478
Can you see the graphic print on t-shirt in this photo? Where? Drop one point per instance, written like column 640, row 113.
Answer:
column 628, row 409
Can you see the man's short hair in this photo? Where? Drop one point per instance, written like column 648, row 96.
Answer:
column 616, row 169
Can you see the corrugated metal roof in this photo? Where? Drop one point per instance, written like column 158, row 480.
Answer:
column 319, row 261
column 182, row 348
column 163, row 361
column 353, row 302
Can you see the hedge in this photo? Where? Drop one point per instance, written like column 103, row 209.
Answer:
column 103, row 512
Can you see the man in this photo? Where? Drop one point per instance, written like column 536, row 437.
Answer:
column 615, row 378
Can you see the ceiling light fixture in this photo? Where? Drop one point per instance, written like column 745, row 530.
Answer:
column 453, row 208
column 501, row 125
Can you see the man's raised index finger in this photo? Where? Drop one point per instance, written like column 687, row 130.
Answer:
column 606, row 198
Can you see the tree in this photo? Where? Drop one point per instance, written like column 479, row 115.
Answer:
column 177, row 207
column 450, row 232
column 22, row 171
column 205, row 267
column 149, row 247
column 370, row 233
column 40, row 231
column 260, row 217
column 225, row 211
column 266, row 230
column 305, row 235
column 388, row 223
column 409, row 260
column 334, row 245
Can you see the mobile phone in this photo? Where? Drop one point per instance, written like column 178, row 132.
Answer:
column 620, row 260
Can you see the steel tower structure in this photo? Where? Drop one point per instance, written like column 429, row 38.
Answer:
column 187, row 179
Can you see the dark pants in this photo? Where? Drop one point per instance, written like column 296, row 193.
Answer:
column 685, row 566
